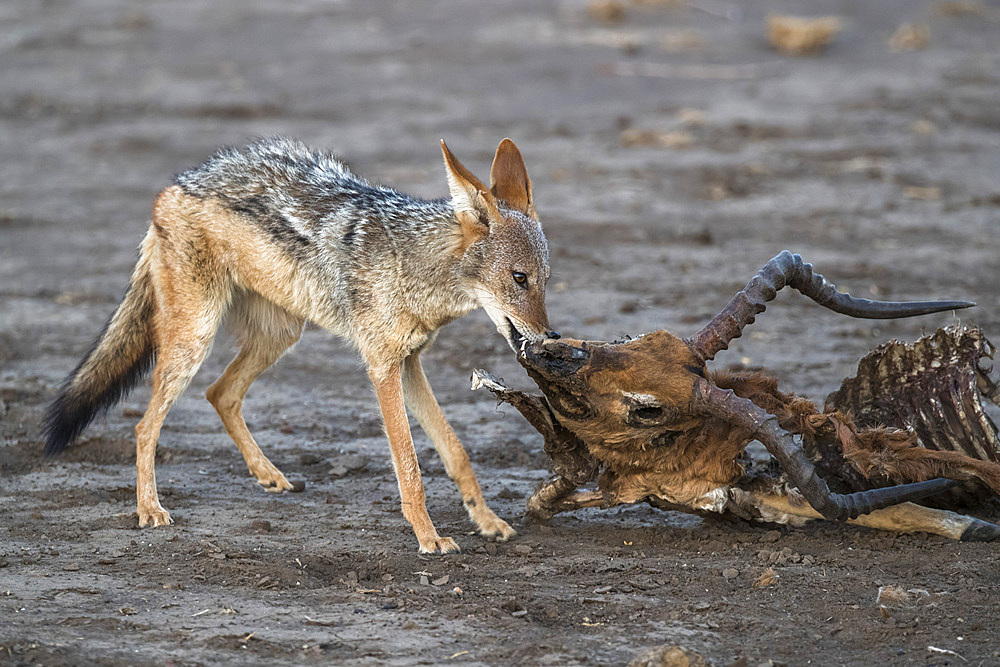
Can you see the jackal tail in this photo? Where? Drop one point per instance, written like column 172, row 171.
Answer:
column 120, row 357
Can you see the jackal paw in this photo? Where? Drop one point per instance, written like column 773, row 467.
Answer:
column 153, row 516
column 275, row 482
column 437, row 544
column 495, row 527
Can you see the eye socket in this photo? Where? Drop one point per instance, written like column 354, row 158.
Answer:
column 519, row 278
column 648, row 412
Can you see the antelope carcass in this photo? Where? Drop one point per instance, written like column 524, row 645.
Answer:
column 648, row 421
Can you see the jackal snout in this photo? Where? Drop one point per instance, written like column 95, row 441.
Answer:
column 505, row 257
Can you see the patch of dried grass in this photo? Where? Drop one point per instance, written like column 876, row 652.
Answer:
column 633, row 137
column 909, row 37
column 798, row 35
column 606, row 11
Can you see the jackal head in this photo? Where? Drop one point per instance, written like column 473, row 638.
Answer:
column 504, row 259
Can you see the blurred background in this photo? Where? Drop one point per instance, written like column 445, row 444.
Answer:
column 674, row 147
column 672, row 143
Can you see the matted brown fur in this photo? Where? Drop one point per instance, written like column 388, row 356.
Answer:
column 628, row 407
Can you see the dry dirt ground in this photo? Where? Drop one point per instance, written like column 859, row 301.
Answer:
column 672, row 153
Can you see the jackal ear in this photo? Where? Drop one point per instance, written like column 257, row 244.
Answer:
column 509, row 179
column 474, row 205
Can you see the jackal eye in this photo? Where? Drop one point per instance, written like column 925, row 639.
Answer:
column 519, row 277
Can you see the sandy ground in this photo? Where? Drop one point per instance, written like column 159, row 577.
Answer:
column 881, row 168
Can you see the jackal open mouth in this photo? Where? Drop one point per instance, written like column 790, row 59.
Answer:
column 514, row 337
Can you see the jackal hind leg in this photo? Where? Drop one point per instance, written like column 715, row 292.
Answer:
column 421, row 402
column 184, row 326
column 265, row 332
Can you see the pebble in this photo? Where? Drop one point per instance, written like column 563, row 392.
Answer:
column 347, row 463
column 441, row 581
column 309, row 459
column 730, row 573
column 522, row 549
column 668, row 656
column 71, row 567
column 491, row 548
column 771, row 536
column 261, row 526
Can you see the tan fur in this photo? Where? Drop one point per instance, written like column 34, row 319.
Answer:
column 236, row 270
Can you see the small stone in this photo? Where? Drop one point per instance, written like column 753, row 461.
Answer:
column 347, row 463
column 424, row 581
column 410, row 625
column 440, row 581
column 668, row 656
column 260, row 526
column 522, row 549
column 730, row 573
column 519, row 613
column 771, row 536
column 491, row 548
column 309, row 459
column 603, row 589
column 808, row 560
column 71, row 567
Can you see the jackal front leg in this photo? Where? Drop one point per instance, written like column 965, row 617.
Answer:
column 420, row 399
column 389, row 388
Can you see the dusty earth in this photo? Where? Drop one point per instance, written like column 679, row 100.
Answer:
column 672, row 153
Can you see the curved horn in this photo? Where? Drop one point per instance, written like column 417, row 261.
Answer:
column 723, row 403
column 789, row 269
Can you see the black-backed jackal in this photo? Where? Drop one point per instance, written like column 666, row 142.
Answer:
column 275, row 234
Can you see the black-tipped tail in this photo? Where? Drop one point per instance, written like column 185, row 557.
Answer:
column 122, row 355
column 76, row 406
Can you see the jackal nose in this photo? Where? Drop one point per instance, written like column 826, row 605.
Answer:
column 553, row 334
